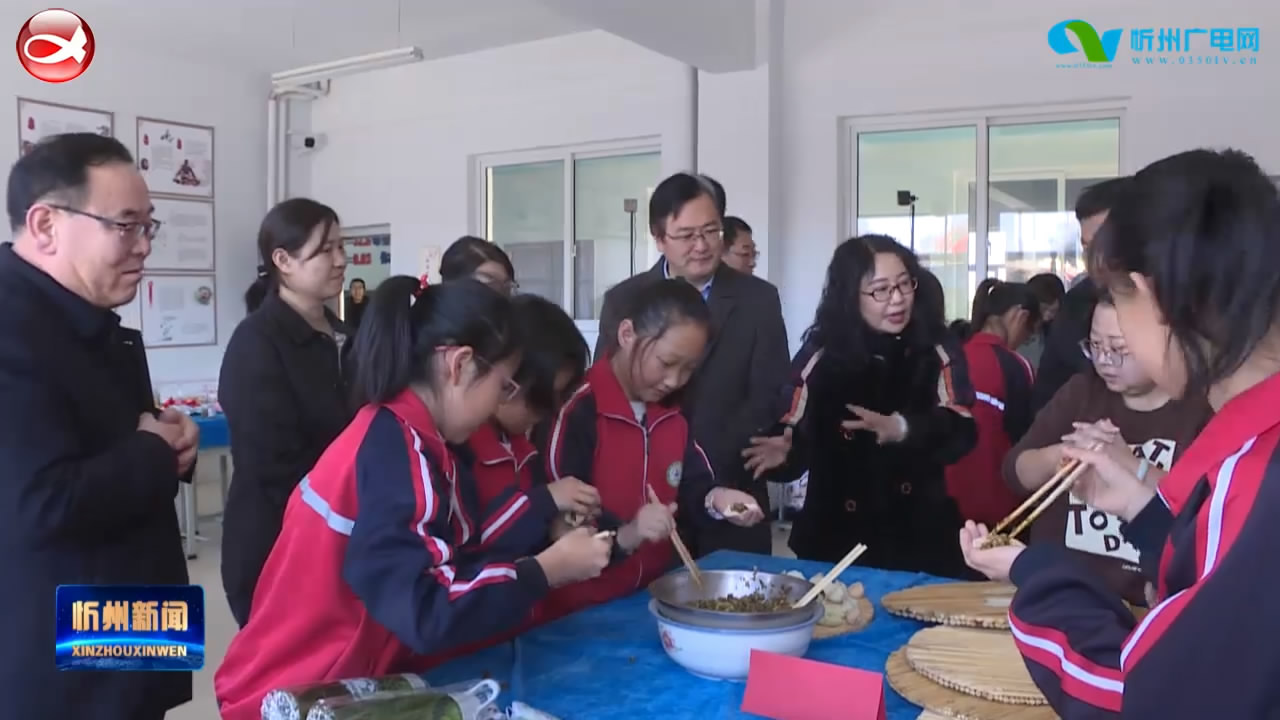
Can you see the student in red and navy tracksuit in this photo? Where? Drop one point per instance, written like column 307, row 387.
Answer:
column 385, row 554
column 553, row 361
column 623, row 432
column 1189, row 256
column 1004, row 315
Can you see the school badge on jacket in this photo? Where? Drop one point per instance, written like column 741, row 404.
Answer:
column 674, row 471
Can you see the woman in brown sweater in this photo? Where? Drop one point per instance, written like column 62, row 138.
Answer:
column 1116, row 406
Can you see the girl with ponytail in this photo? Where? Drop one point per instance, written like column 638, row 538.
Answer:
column 387, row 556
column 1004, row 315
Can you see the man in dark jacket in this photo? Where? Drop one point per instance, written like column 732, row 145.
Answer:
column 733, row 394
column 1062, row 357
column 91, row 467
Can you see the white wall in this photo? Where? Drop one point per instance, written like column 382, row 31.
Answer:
column 130, row 83
column 399, row 141
column 851, row 59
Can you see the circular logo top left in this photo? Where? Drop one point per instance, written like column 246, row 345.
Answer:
column 55, row 45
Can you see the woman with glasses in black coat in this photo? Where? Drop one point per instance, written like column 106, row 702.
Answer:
column 875, row 412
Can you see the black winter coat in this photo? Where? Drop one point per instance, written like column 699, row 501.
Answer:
column 891, row 497
column 84, row 498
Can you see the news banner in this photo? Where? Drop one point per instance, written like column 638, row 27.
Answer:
column 130, row 627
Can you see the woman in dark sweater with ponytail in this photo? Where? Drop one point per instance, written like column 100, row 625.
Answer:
column 1004, row 316
column 281, row 384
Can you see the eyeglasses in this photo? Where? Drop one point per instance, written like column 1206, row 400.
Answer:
column 128, row 230
column 707, row 234
column 502, row 285
column 906, row 288
column 1102, row 355
column 510, row 388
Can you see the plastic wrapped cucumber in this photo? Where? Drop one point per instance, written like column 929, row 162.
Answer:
column 461, row 702
column 294, row 703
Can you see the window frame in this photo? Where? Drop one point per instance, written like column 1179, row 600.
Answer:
column 567, row 155
column 981, row 120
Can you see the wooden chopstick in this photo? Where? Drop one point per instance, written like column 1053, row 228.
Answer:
column 685, row 556
column 1063, row 486
column 830, row 577
column 1062, row 473
column 1043, row 497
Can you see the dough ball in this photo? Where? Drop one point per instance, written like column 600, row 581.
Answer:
column 814, row 580
column 856, row 590
column 852, row 614
column 835, row 592
column 795, row 574
column 832, row 614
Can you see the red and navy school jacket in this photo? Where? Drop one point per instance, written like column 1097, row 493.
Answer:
column 1002, row 382
column 385, row 556
column 597, row 439
column 498, row 467
column 1208, row 648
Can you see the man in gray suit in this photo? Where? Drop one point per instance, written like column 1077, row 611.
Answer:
column 734, row 393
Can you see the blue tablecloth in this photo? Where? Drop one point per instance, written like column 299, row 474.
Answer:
column 607, row 662
column 213, row 432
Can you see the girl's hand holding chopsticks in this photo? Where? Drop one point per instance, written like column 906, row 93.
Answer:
column 1108, row 485
column 654, row 522
column 992, row 562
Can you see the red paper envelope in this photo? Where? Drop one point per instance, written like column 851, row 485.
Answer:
column 790, row 688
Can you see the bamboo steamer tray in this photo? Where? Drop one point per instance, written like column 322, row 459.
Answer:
column 983, row 663
column 866, row 612
column 949, row 703
column 966, row 604
column 931, row 715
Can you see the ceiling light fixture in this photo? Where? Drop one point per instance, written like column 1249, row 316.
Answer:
column 348, row 66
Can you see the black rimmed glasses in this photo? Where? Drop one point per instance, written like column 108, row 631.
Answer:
column 687, row 236
column 905, row 288
column 127, row 229
column 1101, row 355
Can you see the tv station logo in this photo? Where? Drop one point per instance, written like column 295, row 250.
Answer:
column 130, row 627
column 55, row 45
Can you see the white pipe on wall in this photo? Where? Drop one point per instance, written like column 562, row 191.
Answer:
column 282, row 164
column 693, row 116
column 273, row 150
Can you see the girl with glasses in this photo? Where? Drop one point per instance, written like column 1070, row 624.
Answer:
column 386, row 554
column 1189, row 255
column 875, row 413
column 479, row 259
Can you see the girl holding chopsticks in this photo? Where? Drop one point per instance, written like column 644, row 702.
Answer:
column 622, row 431
column 386, row 554
column 876, row 412
column 1120, row 409
column 1189, row 256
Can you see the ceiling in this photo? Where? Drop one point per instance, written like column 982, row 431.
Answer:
column 275, row 35
column 270, row 36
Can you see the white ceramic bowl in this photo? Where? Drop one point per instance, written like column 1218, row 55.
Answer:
column 725, row 653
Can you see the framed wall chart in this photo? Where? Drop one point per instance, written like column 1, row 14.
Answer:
column 186, row 238
column 176, row 158
column 178, row 310
column 38, row 120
